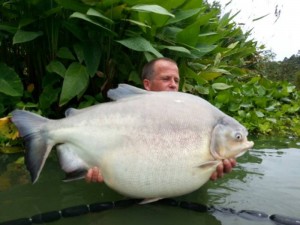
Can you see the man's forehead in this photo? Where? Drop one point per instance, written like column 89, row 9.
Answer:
column 164, row 63
column 166, row 68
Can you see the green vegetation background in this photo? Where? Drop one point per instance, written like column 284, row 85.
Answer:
column 58, row 54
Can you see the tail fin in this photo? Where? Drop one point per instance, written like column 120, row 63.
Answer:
column 32, row 128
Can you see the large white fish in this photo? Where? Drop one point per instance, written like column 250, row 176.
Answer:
column 147, row 144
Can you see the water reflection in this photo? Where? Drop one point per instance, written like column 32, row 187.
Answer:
column 266, row 179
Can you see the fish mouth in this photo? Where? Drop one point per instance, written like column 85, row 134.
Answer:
column 234, row 153
column 248, row 145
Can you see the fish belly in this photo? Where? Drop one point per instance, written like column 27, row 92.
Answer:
column 148, row 171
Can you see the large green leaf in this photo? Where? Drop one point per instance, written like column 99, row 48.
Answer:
column 189, row 35
column 22, row 36
column 169, row 33
column 56, row 67
column 88, row 19
column 51, row 90
column 8, row 28
column 65, row 53
column 222, row 97
column 183, row 14
column 152, row 9
column 177, row 49
column 221, row 86
column 140, row 44
column 48, row 97
column 92, row 54
column 93, row 12
column 76, row 80
column 10, row 83
column 205, row 18
column 137, row 23
column 201, row 48
column 209, row 75
column 217, row 70
column 169, row 5
column 78, row 49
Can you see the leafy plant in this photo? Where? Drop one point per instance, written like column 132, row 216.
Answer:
column 67, row 53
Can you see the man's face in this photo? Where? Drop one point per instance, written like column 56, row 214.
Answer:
column 165, row 78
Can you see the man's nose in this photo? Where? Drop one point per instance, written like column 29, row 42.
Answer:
column 173, row 84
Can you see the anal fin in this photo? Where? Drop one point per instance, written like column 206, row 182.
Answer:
column 75, row 175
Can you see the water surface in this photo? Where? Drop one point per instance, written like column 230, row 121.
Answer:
column 266, row 179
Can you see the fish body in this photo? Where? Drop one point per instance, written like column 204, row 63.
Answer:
column 146, row 144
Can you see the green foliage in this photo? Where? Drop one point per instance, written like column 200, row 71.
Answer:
column 11, row 89
column 286, row 70
column 68, row 53
column 263, row 106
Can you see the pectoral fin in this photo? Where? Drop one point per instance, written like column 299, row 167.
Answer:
column 209, row 164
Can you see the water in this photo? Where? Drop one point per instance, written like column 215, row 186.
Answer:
column 266, row 179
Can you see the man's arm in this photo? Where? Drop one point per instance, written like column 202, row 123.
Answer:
column 94, row 174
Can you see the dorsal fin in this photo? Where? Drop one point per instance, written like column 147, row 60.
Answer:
column 71, row 112
column 124, row 91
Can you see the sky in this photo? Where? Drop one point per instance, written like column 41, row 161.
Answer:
column 280, row 34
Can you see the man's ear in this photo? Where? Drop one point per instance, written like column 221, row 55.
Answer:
column 147, row 84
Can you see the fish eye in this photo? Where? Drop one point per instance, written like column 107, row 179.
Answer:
column 238, row 136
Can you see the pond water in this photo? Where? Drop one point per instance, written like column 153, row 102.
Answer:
column 266, row 179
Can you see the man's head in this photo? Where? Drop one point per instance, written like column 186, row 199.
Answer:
column 161, row 75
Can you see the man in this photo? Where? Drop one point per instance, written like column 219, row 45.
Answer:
column 162, row 74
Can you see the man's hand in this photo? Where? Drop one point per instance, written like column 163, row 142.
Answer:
column 225, row 167
column 94, row 175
